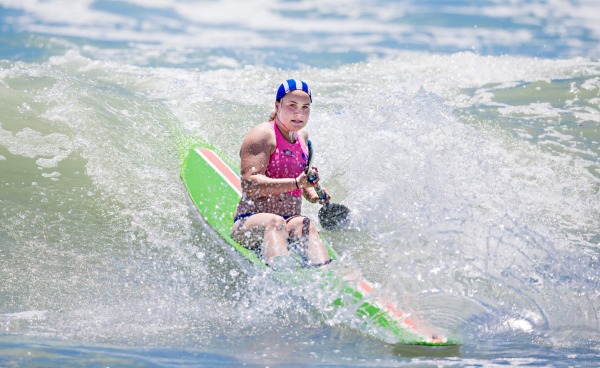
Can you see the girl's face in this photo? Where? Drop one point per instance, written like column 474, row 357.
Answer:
column 294, row 110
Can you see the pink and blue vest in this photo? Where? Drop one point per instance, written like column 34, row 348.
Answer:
column 288, row 160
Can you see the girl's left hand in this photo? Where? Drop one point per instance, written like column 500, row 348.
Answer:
column 313, row 197
column 327, row 196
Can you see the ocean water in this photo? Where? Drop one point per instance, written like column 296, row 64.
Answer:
column 463, row 135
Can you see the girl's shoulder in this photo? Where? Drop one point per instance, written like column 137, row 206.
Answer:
column 263, row 131
column 261, row 135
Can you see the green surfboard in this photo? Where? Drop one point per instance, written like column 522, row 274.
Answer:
column 215, row 190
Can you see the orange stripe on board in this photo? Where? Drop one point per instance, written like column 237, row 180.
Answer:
column 403, row 318
column 221, row 167
column 365, row 287
column 396, row 312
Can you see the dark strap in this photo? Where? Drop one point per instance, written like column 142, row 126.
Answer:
column 305, row 230
column 303, row 241
column 316, row 265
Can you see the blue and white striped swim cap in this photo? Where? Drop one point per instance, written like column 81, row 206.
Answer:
column 291, row 85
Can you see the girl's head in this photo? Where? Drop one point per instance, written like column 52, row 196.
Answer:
column 299, row 89
column 291, row 85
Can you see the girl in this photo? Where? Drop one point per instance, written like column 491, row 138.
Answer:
column 274, row 156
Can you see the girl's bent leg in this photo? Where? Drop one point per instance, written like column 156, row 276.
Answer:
column 266, row 230
column 275, row 239
column 315, row 250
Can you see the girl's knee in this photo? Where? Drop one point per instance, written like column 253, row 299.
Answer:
column 276, row 223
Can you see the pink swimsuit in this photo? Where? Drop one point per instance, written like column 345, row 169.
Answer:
column 288, row 160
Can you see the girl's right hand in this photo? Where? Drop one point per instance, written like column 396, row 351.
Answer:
column 303, row 181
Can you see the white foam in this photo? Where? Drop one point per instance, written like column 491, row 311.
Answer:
column 519, row 324
column 54, row 174
column 30, row 143
column 27, row 315
column 544, row 109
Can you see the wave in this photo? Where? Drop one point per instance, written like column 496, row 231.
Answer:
column 476, row 228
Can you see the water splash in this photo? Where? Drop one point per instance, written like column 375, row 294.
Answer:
column 468, row 226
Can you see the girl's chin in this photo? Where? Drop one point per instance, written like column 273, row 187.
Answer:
column 296, row 126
